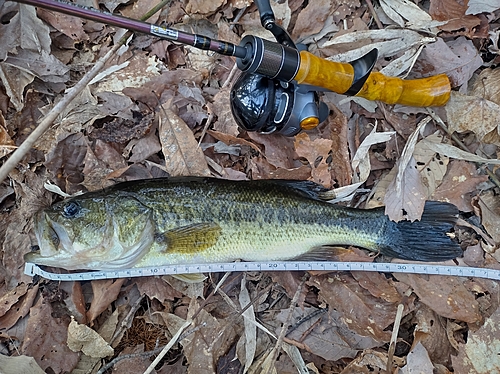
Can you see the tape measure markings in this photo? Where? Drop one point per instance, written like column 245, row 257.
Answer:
column 408, row 268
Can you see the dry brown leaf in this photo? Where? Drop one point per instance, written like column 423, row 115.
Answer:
column 480, row 354
column 325, row 334
column 311, row 19
column 409, row 203
column 336, row 130
column 18, row 310
column 111, row 5
column 356, row 305
column 148, row 92
column 19, row 364
column 45, row 339
column 180, row 148
column 378, row 285
column 431, row 165
column 401, row 10
column 487, row 85
column 157, row 288
column 65, row 162
column 405, row 197
column 457, row 153
column 143, row 148
column 361, row 162
column 26, row 54
column 490, row 214
column 447, row 296
column 12, row 297
column 68, row 25
column 204, row 347
column 458, row 59
column 278, row 150
column 316, row 152
column 482, row 6
column 454, row 12
column 459, row 182
column 7, row 145
column 82, row 338
column 232, row 140
column 249, row 323
column 368, row 362
column 471, row 113
column 139, row 8
column 133, row 365
column 430, row 330
column 105, row 292
column 203, row 7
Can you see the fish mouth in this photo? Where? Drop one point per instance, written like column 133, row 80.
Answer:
column 53, row 242
column 33, row 257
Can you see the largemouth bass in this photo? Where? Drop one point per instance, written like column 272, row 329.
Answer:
column 203, row 220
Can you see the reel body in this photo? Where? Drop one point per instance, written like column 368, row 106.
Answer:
column 268, row 105
column 266, row 98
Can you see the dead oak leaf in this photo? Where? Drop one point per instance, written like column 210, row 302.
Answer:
column 480, row 354
column 180, row 148
column 105, row 292
column 447, row 296
column 490, row 214
column 45, row 339
column 316, row 152
column 459, row 182
column 82, row 338
column 69, row 25
column 19, row 364
column 12, row 297
column 472, row 113
column 18, row 310
column 360, row 310
column 203, row 7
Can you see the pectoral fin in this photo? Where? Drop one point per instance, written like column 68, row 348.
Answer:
column 191, row 239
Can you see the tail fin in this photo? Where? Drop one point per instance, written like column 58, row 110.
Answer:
column 424, row 240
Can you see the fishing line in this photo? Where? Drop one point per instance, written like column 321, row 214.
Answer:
column 383, row 267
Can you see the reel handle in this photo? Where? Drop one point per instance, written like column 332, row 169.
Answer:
column 338, row 77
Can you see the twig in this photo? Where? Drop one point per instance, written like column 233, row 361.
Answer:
column 170, row 344
column 47, row 121
column 394, row 337
column 374, row 14
column 286, row 324
column 457, row 140
column 226, row 83
column 128, row 318
column 241, row 311
column 211, row 112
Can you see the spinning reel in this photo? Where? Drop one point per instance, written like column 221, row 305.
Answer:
column 264, row 103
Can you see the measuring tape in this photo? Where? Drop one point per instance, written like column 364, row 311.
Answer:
column 459, row 271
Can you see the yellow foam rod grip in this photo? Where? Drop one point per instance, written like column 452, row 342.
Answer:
column 431, row 91
column 316, row 71
column 338, row 77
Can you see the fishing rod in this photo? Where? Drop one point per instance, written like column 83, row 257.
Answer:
column 278, row 90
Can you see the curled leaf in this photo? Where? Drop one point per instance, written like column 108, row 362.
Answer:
column 83, row 338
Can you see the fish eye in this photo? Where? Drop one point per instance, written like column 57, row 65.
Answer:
column 71, row 209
